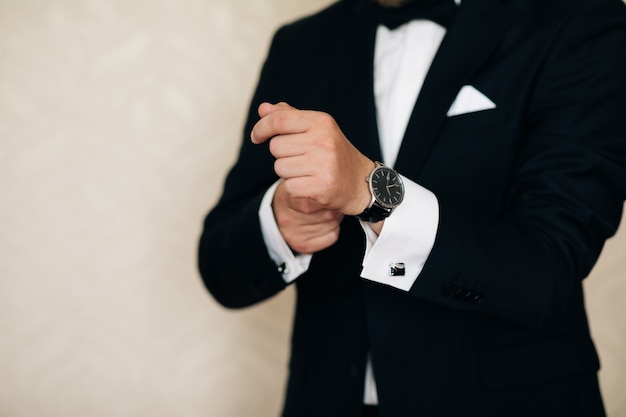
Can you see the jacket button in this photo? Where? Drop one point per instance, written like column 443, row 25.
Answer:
column 459, row 294
column 477, row 298
column 468, row 296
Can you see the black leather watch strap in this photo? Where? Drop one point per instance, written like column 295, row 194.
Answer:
column 374, row 214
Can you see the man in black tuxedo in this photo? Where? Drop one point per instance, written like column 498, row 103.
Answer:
column 448, row 281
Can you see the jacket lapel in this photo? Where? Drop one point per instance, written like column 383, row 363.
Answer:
column 353, row 91
column 468, row 43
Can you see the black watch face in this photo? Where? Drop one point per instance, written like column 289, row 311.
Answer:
column 387, row 187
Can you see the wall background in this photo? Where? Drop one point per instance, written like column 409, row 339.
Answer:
column 118, row 121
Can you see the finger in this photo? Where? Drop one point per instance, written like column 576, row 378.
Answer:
column 315, row 232
column 304, row 205
column 283, row 121
column 308, row 224
column 283, row 146
column 307, row 186
column 267, row 108
column 292, row 167
column 320, row 220
column 317, row 243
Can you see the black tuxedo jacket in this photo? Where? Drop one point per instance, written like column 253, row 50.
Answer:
column 529, row 191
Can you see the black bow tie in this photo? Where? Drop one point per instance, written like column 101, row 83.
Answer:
column 439, row 11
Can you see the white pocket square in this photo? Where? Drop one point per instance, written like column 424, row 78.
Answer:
column 470, row 100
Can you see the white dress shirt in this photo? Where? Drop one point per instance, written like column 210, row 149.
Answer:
column 402, row 58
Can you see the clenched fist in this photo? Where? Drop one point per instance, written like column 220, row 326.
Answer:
column 323, row 174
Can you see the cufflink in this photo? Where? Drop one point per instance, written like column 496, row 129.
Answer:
column 396, row 269
column 282, row 268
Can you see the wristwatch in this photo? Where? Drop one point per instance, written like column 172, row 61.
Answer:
column 387, row 193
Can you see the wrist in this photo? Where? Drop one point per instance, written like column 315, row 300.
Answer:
column 365, row 196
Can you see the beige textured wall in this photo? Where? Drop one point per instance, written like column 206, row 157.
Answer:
column 118, row 120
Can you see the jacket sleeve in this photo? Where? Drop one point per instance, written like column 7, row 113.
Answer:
column 566, row 192
column 232, row 258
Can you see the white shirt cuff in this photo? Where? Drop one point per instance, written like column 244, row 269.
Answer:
column 291, row 266
column 407, row 237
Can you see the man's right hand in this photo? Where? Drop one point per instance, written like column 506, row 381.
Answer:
column 306, row 226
